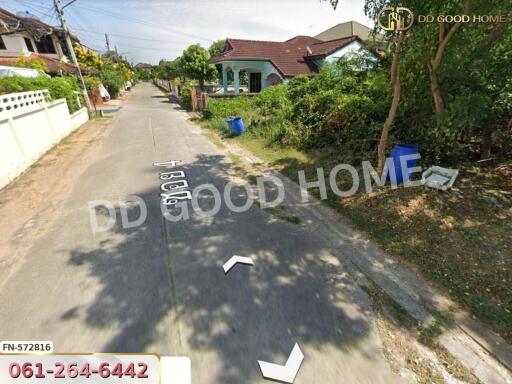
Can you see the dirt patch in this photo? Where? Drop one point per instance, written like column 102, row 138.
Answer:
column 460, row 240
column 31, row 202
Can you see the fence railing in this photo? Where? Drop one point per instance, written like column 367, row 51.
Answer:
column 18, row 102
column 199, row 98
column 31, row 124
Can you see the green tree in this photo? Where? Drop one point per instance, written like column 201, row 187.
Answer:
column 113, row 79
column 88, row 59
column 167, row 70
column 217, row 47
column 450, row 78
column 194, row 64
column 447, row 98
column 142, row 74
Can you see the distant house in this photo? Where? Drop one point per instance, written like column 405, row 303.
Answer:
column 25, row 35
column 270, row 62
column 144, row 66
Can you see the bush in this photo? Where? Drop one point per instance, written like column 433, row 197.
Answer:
column 113, row 80
column 341, row 107
column 272, row 120
column 225, row 108
column 274, row 101
column 58, row 87
column 186, row 96
column 25, row 62
column 219, row 110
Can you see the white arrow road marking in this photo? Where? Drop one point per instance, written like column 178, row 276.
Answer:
column 284, row 373
column 235, row 260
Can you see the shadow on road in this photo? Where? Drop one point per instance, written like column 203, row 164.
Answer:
column 295, row 292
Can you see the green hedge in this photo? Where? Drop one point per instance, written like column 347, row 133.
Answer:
column 186, row 96
column 113, row 80
column 59, row 88
column 341, row 107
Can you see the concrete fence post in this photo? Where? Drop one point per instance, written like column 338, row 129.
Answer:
column 55, row 137
column 20, row 145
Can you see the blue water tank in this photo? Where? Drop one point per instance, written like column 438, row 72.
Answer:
column 237, row 126
column 397, row 152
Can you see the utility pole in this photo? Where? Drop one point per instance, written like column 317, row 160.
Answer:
column 108, row 42
column 60, row 13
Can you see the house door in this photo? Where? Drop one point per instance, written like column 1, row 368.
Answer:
column 255, row 82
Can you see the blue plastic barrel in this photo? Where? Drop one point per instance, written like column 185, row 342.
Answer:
column 237, row 127
column 397, row 152
column 230, row 123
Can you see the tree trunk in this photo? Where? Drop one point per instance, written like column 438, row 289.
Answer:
column 436, row 95
column 395, row 84
column 433, row 66
column 485, row 147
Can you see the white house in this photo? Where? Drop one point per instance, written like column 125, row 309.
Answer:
column 271, row 62
column 24, row 35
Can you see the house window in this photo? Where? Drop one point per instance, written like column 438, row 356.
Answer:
column 45, row 45
column 2, row 43
column 29, row 45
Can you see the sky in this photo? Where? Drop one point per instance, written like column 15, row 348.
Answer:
column 150, row 30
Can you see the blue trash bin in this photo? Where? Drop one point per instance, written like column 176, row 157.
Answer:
column 230, row 123
column 397, row 152
column 237, row 126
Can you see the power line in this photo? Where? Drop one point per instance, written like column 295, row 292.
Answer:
column 132, row 37
column 68, row 4
column 40, row 11
column 75, row 16
column 117, row 16
column 76, row 20
column 100, row 41
column 140, row 21
column 150, row 49
column 60, row 14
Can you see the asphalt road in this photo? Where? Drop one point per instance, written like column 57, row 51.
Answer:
column 160, row 287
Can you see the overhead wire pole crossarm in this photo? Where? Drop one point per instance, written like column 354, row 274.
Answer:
column 60, row 14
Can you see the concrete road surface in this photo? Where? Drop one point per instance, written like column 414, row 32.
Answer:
column 160, row 287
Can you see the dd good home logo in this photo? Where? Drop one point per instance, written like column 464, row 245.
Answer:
column 395, row 18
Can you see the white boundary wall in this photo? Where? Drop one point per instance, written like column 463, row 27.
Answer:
column 29, row 126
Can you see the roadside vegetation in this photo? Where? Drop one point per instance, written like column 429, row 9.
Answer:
column 59, row 87
column 110, row 69
column 190, row 70
column 460, row 240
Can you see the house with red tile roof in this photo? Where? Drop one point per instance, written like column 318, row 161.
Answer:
column 144, row 66
column 25, row 35
column 271, row 62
